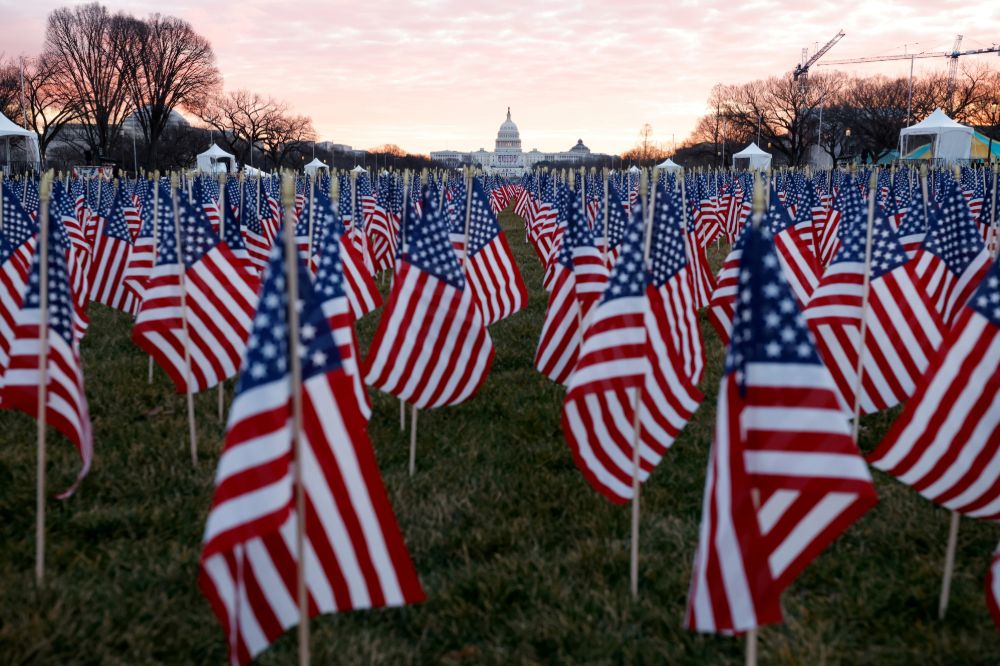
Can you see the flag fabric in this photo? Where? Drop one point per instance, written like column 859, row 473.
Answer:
column 902, row 329
column 336, row 306
column 65, row 401
column 953, row 258
column 220, row 301
column 794, row 250
column 720, row 308
column 258, row 230
column 621, row 370
column 355, row 554
column 784, row 476
column 18, row 239
column 578, row 278
column 431, row 347
column 946, row 442
column 488, row 263
column 672, row 299
column 111, row 252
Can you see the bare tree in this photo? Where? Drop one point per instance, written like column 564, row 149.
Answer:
column 242, row 119
column 47, row 112
column 168, row 65
column 84, row 45
column 286, row 135
column 10, row 89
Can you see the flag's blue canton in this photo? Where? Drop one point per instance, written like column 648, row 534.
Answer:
column 901, row 191
column 767, row 324
column 266, row 359
column 317, row 349
column 629, row 276
column 667, row 257
column 91, row 194
column 913, row 222
column 233, row 193
column 107, row 199
column 202, row 191
column 428, row 248
column 116, row 226
column 231, row 233
column 249, row 214
column 324, row 217
column 17, row 226
column 986, row 300
column 808, row 202
column 853, row 211
column 330, row 275
column 60, row 207
column 345, row 198
column 166, row 230
column 577, row 234
column 952, row 235
column 617, row 218
column 302, row 221
column 31, row 200
column 146, row 209
column 483, row 226
column 455, row 206
column 777, row 215
column 197, row 237
column 60, row 301
column 887, row 252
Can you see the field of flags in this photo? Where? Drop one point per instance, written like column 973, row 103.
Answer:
column 792, row 304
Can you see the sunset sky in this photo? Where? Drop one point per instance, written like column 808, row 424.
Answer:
column 436, row 74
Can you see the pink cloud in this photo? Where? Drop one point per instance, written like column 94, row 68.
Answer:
column 440, row 73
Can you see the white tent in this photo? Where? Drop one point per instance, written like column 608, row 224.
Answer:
column 214, row 159
column 936, row 137
column 315, row 166
column 252, row 172
column 669, row 165
column 10, row 131
column 751, row 157
column 633, row 169
column 359, row 169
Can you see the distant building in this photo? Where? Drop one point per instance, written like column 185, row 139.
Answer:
column 507, row 158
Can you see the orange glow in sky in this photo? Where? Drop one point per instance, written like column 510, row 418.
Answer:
column 439, row 74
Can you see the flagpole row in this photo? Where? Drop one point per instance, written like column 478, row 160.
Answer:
column 291, row 263
column 413, row 439
column 192, row 431
column 43, row 366
column 865, row 289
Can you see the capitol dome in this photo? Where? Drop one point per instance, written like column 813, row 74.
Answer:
column 508, row 137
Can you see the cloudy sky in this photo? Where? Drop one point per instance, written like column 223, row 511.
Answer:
column 434, row 74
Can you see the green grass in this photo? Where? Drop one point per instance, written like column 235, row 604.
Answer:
column 522, row 562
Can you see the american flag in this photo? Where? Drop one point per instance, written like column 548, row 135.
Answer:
column 205, row 190
column 945, row 442
column 912, row 230
column 720, row 308
column 784, row 476
column 672, row 299
column 111, row 252
column 490, row 268
column 620, row 364
column 18, row 239
column 258, row 232
column 143, row 255
column 578, row 278
column 610, row 238
column 232, row 235
column 903, row 329
column 355, row 554
column 77, row 262
column 801, row 267
column 702, row 280
column 383, row 227
column 219, row 300
column 953, row 258
column 330, row 288
column 65, row 402
column 431, row 347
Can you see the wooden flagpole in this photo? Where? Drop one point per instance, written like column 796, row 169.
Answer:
column 923, row 189
column 865, row 289
column 413, row 408
column 156, row 231
column 43, row 373
column 637, row 407
column 995, row 230
column 192, row 432
column 607, row 250
column 413, row 439
column 221, row 389
column 949, row 553
column 1, row 199
column 402, row 240
column 291, row 263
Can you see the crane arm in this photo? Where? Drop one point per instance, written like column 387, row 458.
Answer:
column 804, row 67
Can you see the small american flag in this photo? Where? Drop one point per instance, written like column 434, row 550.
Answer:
column 18, row 240
column 784, row 476
column 111, row 251
column 66, row 403
column 431, row 348
column 944, row 443
column 355, row 554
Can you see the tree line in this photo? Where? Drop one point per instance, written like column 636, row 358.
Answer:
column 847, row 117
column 108, row 87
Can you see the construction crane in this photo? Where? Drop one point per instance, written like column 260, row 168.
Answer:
column 802, row 70
column 952, row 55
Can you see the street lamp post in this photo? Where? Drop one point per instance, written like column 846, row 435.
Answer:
column 847, row 135
column 996, row 123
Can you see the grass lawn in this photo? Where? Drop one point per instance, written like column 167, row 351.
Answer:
column 522, row 562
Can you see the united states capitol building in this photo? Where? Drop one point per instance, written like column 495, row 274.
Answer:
column 507, row 159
